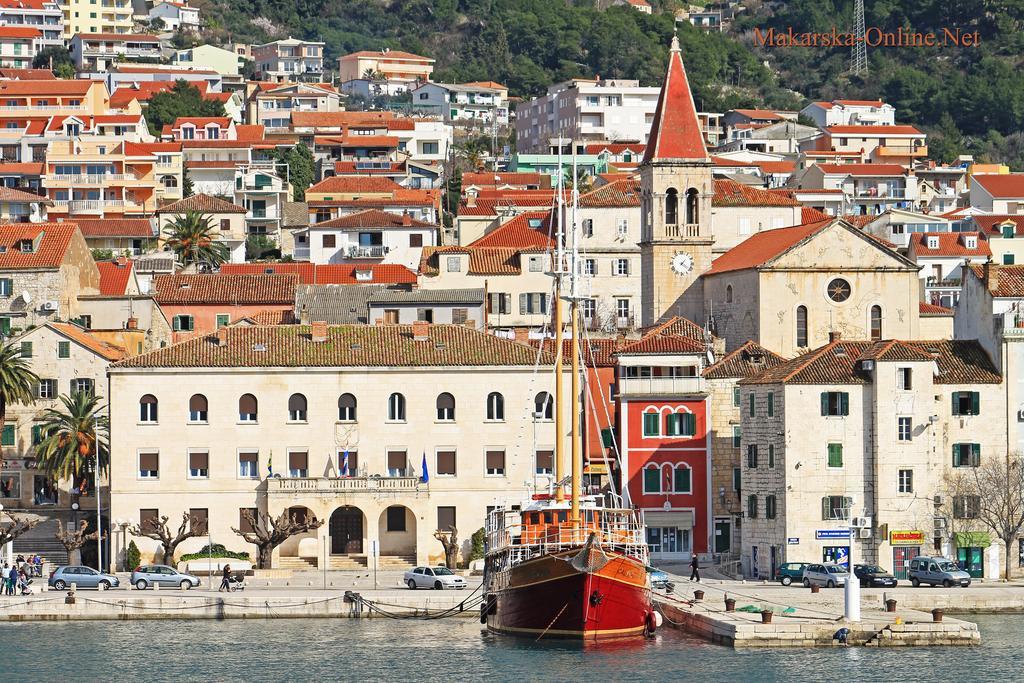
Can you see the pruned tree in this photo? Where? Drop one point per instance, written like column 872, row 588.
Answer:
column 268, row 533
column 73, row 540
column 159, row 531
column 998, row 484
column 18, row 526
column 450, row 542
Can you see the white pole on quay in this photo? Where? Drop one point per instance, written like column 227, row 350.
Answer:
column 851, row 590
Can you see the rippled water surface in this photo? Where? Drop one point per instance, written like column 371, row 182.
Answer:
column 457, row 650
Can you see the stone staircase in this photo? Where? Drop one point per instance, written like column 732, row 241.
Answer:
column 297, row 563
column 351, row 562
column 396, row 562
column 40, row 541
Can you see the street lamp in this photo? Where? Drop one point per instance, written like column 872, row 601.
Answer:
column 123, row 525
column 9, row 549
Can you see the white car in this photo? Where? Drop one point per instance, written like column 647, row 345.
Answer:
column 437, row 578
column 825, row 574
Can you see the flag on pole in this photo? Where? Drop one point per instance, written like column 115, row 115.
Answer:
column 344, row 464
column 270, row 464
column 425, row 477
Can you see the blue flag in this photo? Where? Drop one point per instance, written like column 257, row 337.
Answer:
column 344, row 466
column 425, row 477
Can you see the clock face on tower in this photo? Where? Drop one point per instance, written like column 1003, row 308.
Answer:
column 682, row 264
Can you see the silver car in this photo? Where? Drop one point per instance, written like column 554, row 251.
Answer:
column 82, row 577
column 162, row 575
column 437, row 578
column 825, row 574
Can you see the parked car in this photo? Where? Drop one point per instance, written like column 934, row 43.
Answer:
column 826, row 574
column 659, row 579
column 437, row 578
column 936, row 571
column 153, row 574
column 82, row 577
column 789, row 572
column 873, row 576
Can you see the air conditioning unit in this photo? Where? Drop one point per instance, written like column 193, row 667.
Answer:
column 939, row 499
column 49, row 306
column 860, row 522
column 940, row 523
column 1020, row 415
column 867, row 365
column 864, row 533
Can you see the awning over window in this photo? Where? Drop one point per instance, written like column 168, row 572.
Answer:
column 972, row 539
column 682, row 519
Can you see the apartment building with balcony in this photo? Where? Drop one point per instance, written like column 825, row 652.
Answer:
column 26, row 101
column 385, row 72
column 997, row 193
column 227, row 219
column 44, row 16
column 95, row 52
column 289, row 60
column 1004, row 233
column 888, row 144
column 943, row 257
column 262, row 189
column 466, row 104
column 175, row 15
column 272, row 105
column 338, row 196
column 242, row 428
column 19, row 45
column 867, row 189
column 223, row 61
column 357, row 136
column 367, row 234
column 850, row 113
column 101, row 16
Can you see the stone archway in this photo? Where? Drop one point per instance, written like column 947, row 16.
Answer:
column 300, row 545
column 397, row 531
column 347, row 528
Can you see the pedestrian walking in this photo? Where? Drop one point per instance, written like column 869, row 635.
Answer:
column 695, row 569
column 225, row 581
column 10, row 578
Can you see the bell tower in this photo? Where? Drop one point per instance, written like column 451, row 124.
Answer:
column 676, row 185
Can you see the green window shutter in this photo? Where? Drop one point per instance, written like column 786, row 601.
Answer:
column 751, row 402
column 681, row 479
column 771, row 455
column 737, row 437
column 975, row 403
column 607, row 437
column 652, row 424
column 956, row 403
column 771, row 403
column 6, row 286
column 689, row 424
column 652, row 479
column 835, row 455
column 1008, row 259
column 737, row 479
column 63, row 349
column 825, row 508
column 824, row 403
column 956, row 455
column 844, row 403
column 672, row 424
column 26, row 349
column 736, row 396
column 37, row 434
column 975, row 454
column 7, row 436
column 222, row 320
column 5, row 326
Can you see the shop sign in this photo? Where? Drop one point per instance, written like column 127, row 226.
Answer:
column 822, row 534
column 905, row 537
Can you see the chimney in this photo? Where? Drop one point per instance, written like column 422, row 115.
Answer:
column 132, row 324
column 420, row 330
column 522, row 335
column 222, row 336
column 986, row 272
column 318, row 331
column 121, row 262
column 406, row 219
column 834, row 336
column 471, row 200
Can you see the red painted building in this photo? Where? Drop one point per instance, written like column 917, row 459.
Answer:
column 663, row 426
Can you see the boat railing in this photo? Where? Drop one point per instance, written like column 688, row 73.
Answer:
column 529, row 540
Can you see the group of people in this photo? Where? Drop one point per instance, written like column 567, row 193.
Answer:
column 33, row 564
column 15, row 579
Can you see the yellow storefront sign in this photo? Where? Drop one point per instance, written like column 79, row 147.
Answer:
column 906, row 537
column 596, row 468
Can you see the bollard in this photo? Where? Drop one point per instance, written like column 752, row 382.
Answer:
column 70, row 599
column 730, row 605
column 698, row 595
column 937, row 614
column 156, row 586
column 766, row 616
column 890, row 605
column 815, row 588
column 101, row 587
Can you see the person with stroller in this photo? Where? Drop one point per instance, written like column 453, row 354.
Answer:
column 225, row 581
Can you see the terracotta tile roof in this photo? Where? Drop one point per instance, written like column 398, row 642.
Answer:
column 114, row 276
column 51, row 244
column 1004, row 281
column 731, row 193
column 221, row 288
column 116, row 227
column 810, row 215
column 47, row 87
column 355, row 185
column 748, row 360
column 950, row 244
column 615, row 147
column 27, row 74
column 624, row 192
column 279, row 317
column 374, row 218
column 766, row 114
column 863, row 169
column 1002, row 186
column 865, row 131
column 676, row 130
column 203, row 203
column 216, row 144
column 251, row 132
column 346, row 346
column 75, row 333
column 145, row 149
column 19, row 32
column 144, row 91
column 356, row 141
column 525, row 231
column 201, row 121
column 765, row 246
column 959, row 361
column 992, row 223
column 10, row 194
column 928, row 310
column 676, row 335
column 327, row 274
column 338, row 119
column 385, row 55
column 126, row 37
column 858, row 220
column 860, row 103
column 495, row 179
column 15, row 168
column 776, row 166
column 482, row 260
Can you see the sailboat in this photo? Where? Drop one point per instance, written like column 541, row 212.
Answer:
column 576, row 568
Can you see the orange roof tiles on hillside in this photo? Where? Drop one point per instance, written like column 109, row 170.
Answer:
column 731, row 193
column 145, row 149
column 776, row 166
column 338, row 119
column 760, row 114
column 860, row 103
column 746, row 361
column 202, row 203
column 1002, row 186
column 864, row 169
column 115, row 227
column 47, row 87
column 23, row 168
column 11, row 194
column 254, row 132
column 525, row 231
column 854, row 131
column 993, row 222
column 676, row 335
column 949, row 244
column 928, row 310
column 676, row 130
column 499, row 178
column 809, row 214
column 1004, row 281
column 202, row 121
column 764, row 246
column 332, row 274
column 374, row 218
column 223, row 289
column 115, row 276
column 77, row 334
column 618, row 193
column 482, row 260
column 387, row 54
column 19, row 32
column 355, row 185
column 51, row 241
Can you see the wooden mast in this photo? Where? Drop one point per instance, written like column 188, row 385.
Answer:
column 557, row 270
column 577, row 408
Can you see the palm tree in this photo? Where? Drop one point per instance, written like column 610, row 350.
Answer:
column 74, row 437
column 191, row 237
column 17, row 381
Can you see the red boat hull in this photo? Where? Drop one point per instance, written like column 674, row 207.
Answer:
column 547, row 598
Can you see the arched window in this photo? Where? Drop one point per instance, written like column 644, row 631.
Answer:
column 347, row 408
column 197, row 408
column 297, row 408
column 170, row 181
column 876, row 322
column 681, row 479
column 247, row 408
column 396, row 407
column 801, row 326
column 445, row 407
column 692, row 206
column 495, row 406
column 147, row 408
column 543, row 406
column 671, row 206
column 728, row 294
column 652, row 479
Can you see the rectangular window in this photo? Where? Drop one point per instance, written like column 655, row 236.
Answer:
column 681, row 480
column 149, row 465
column 966, row 507
column 1008, row 259
column 737, row 478
column 396, row 518
column 26, row 349
column 771, row 404
column 966, row 454
column 737, row 436
column 750, row 402
column 298, row 464
column 460, row 316
column 836, row 507
column 903, row 428
column 494, row 461
column 652, row 480
column 736, row 397
column 397, row 462
column 545, row 461
column 621, row 267
column 835, row 403
column 966, row 403
column 199, row 465
column 328, row 241
column 771, row 455
column 82, row 385
column 248, row 465
column 198, row 519
column 183, row 323
column 446, row 463
column 47, row 388
column 245, row 522
column 7, row 436
column 752, row 507
column 652, row 424
column 63, row 349
column 446, row 517
column 149, row 518
column 6, row 286
column 223, row 319
column 904, row 379
column 589, row 266
column 536, row 264
column 752, row 456
column 835, row 455
column 906, row 481
column 37, row 434
column 769, row 507
column 454, row 264
column 681, row 424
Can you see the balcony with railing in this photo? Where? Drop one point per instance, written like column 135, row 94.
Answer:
column 360, row 251
column 97, row 205
column 89, row 179
column 879, row 192
column 660, row 385
column 942, row 283
column 683, row 230
column 333, row 486
column 902, row 150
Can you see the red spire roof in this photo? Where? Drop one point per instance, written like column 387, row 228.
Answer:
column 675, row 132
